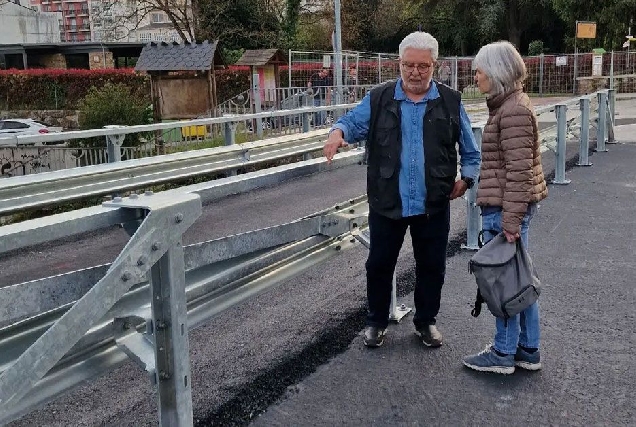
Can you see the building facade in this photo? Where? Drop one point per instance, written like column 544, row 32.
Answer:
column 20, row 24
column 74, row 24
column 109, row 20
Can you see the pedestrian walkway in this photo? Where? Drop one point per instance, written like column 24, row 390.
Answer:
column 583, row 242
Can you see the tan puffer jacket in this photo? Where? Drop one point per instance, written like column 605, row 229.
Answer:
column 511, row 173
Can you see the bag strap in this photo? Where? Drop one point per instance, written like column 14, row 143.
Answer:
column 479, row 300
column 480, row 236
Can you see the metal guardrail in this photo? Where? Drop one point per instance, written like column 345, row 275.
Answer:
column 52, row 341
column 91, row 329
column 33, row 191
column 226, row 121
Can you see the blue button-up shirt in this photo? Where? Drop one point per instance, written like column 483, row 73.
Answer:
column 355, row 127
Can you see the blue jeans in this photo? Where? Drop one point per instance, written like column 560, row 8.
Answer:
column 522, row 329
column 320, row 117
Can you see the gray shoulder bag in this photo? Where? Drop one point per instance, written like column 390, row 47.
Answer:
column 506, row 278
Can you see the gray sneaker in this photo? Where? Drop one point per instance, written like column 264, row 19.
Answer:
column 430, row 336
column 489, row 361
column 528, row 361
column 374, row 336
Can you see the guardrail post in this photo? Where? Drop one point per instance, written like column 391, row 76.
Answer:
column 230, row 133
column 601, row 129
column 170, row 330
column 611, row 113
column 113, row 144
column 306, row 120
column 584, row 144
column 559, row 175
column 473, row 212
column 256, row 90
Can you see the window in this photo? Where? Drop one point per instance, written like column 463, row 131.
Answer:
column 145, row 37
column 9, row 124
column 157, row 18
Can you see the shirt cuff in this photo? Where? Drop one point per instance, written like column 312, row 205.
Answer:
column 470, row 172
column 345, row 131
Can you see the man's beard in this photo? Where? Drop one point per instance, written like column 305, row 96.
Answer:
column 418, row 88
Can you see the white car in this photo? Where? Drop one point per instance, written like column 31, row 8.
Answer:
column 11, row 127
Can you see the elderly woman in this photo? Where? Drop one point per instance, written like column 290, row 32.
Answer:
column 511, row 183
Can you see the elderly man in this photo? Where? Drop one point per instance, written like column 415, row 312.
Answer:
column 412, row 127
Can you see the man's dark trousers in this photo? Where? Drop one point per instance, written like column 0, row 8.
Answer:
column 429, row 234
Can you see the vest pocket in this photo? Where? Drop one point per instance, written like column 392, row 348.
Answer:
column 387, row 172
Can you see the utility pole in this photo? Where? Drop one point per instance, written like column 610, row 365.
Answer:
column 337, row 47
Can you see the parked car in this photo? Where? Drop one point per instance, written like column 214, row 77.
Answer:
column 11, row 127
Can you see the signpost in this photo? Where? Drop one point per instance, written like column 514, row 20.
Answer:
column 584, row 30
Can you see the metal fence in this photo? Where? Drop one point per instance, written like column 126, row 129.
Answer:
column 30, row 154
column 547, row 74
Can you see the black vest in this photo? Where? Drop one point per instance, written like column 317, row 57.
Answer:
column 384, row 147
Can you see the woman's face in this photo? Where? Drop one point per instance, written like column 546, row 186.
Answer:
column 482, row 80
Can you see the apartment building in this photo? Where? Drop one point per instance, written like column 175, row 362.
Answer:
column 75, row 22
column 110, row 20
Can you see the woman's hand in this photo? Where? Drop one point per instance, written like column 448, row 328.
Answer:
column 512, row 237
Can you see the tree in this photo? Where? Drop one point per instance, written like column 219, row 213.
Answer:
column 118, row 19
column 112, row 104
column 612, row 17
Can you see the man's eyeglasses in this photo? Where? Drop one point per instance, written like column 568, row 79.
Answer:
column 421, row 68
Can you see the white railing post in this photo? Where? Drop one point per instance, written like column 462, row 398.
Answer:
column 601, row 129
column 584, row 143
column 113, row 144
column 473, row 212
column 561, row 146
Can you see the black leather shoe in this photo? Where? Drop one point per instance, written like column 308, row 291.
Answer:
column 430, row 336
column 374, row 337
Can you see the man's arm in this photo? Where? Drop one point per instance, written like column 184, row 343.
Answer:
column 355, row 124
column 352, row 127
column 470, row 160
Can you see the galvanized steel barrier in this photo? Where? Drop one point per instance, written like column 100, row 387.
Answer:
column 143, row 304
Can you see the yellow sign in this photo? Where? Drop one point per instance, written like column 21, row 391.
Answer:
column 585, row 30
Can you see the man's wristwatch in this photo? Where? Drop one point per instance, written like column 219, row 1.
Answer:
column 469, row 181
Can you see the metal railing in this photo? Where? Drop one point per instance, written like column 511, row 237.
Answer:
column 142, row 305
column 548, row 74
column 286, row 98
column 40, row 190
column 32, row 154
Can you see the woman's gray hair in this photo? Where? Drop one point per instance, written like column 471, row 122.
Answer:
column 420, row 40
column 503, row 65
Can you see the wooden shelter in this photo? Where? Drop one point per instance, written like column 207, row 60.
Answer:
column 182, row 78
column 266, row 64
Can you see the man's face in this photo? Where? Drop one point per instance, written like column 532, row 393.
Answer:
column 323, row 73
column 416, row 69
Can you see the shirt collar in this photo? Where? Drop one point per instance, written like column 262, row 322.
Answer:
column 433, row 92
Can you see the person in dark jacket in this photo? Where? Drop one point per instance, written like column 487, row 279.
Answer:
column 412, row 127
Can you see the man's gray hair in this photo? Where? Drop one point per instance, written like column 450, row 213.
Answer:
column 420, row 40
column 503, row 65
